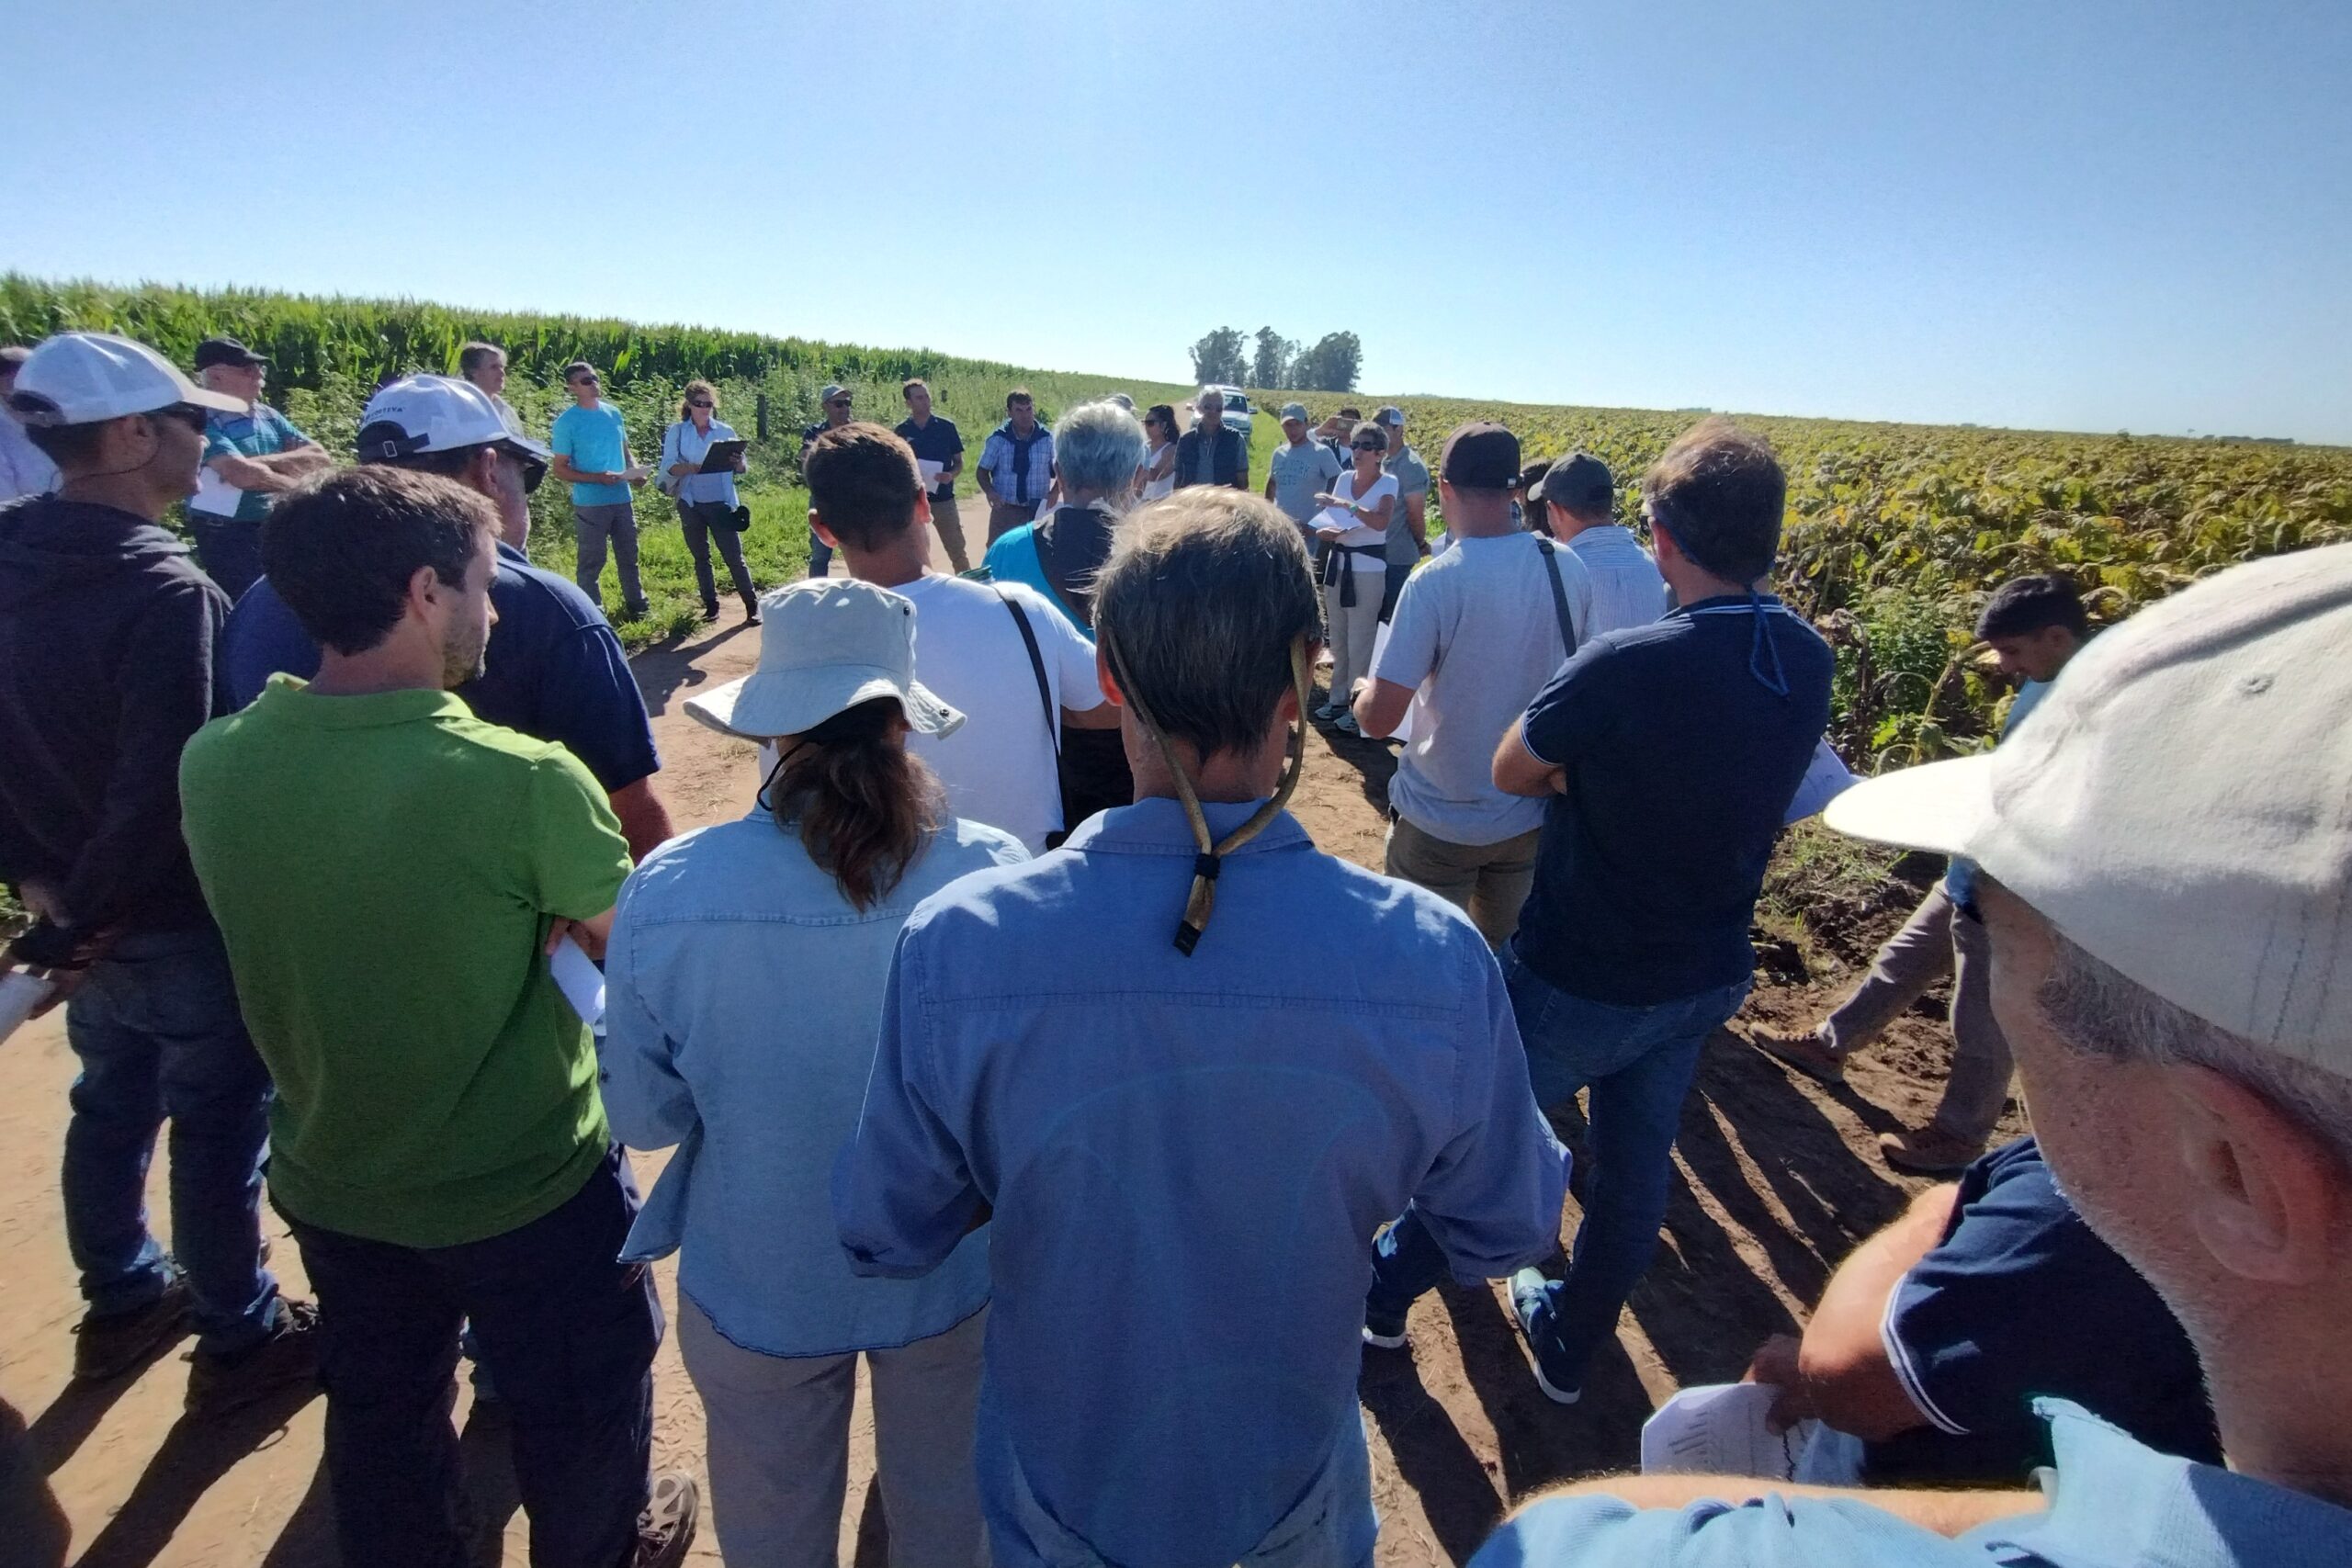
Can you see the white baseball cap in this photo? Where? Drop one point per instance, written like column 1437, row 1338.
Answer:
column 826, row 645
column 437, row 413
column 2180, row 805
column 85, row 378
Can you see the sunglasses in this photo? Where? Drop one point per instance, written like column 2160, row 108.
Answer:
column 585, row 381
column 1369, row 445
column 700, row 403
column 838, row 403
column 194, row 418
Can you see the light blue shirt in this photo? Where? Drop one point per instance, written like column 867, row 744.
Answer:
column 596, row 440
column 682, row 443
column 1960, row 876
column 2113, row 1503
column 25, row 469
column 1626, row 589
column 741, row 990
column 1187, row 1158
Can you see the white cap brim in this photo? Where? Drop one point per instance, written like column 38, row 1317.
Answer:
column 206, row 397
column 1943, row 807
column 759, row 708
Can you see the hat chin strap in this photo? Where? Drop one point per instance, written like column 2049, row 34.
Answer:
column 1202, row 902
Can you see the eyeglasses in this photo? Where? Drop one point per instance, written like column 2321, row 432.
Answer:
column 585, row 381
column 838, row 403
column 700, row 403
column 194, row 418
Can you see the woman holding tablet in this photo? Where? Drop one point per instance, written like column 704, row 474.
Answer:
column 707, row 503
column 1354, row 524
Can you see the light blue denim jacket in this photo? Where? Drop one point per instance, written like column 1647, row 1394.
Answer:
column 741, row 995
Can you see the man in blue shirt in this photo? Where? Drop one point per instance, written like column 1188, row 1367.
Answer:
column 935, row 439
column 2034, row 624
column 1016, row 465
column 590, row 445
column 1668, row 753
column 553, row 669
column 2162, row 864
column 1189, row 1064
column 249, row 459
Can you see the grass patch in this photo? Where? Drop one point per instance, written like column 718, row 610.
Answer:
column 775, row 547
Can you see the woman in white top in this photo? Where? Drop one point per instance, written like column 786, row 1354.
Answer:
column 1354, row 524
column 1157, row 475
column 707, row 503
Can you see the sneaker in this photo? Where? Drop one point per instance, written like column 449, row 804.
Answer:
column 1529, row 1294
column 1805, row 1052
column 1328, row 712
column 1928, row 1152
column 666, row 1529
column 1383, row 1332
column 711, row 611
column 110, row 1346
column 218, row 1386
column 1346, row 724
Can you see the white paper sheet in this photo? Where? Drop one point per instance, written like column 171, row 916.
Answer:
column 930, row 471
column 20, row 992
column 1826, row 778
column 1719, row 1430
column 581, row 983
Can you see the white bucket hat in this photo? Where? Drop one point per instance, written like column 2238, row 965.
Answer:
column 2181, row 805
column 825, row 647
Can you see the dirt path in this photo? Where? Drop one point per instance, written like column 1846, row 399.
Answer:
column 1774, row 1184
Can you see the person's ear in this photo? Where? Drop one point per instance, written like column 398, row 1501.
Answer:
column 1663, row 543
column 425, row 592
column 2264, row 1193
column 1109, row 681
column 822, row 531
column 482, row 472
column 922, row 508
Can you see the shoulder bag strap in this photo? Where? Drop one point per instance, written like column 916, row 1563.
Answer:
column 1036, row 668
column 1559, row 595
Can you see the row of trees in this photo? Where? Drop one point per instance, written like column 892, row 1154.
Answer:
column 1278, row 364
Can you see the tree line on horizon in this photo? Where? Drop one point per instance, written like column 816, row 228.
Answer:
column 1277, row 364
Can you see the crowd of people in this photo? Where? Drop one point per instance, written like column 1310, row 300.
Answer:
column 1019, row 1042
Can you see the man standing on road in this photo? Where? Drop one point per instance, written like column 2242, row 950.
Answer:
column 1409, row 529
column 1578, row 496
column 2163, row 862
column 1016, row 465
column 24, row 469
column 251, row 455
column 485, row 364
column 591, row 446
column 1212, row 452
column 106, row 631
column 1299, row 470
column 1477, row 635
column 1668, row 754
column 390, row 873
column 1212, row 1114
column 999, row 651
column 838, row 403
column 2035, row 626
column 935, row 439
column 554, row 669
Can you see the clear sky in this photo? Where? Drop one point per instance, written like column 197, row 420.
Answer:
column 2086, row 214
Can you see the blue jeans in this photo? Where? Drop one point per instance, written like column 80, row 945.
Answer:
column 820, row 554
column 568, row 1330
column 1638, row 1063
column 230, row 551
column 156, row 1026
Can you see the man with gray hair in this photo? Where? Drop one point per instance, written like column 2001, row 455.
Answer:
column 2162, row 864
column 1212, row 452
column 1242, row 1056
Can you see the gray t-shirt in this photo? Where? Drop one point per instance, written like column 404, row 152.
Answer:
column 1300, row 474
column 1476, row 636
column 1412, row 479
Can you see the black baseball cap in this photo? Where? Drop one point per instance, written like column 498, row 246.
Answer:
column 1480, row 456
column 1578, row 482
column 227, row 351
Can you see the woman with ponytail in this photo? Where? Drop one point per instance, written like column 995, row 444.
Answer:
column 745, row 981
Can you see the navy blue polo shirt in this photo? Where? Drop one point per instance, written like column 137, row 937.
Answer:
column 2022, row 1300
column 553, row 671
column 938, row 441
column 1684, row 742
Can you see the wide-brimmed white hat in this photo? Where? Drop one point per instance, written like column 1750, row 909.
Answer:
column 2180, row 805
column 826, row 645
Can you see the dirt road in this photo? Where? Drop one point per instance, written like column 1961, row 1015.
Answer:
column 1773, row 1186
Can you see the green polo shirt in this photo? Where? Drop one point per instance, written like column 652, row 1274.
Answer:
column 384, row 869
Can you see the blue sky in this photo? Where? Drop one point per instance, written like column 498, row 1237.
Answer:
column 2084, row 214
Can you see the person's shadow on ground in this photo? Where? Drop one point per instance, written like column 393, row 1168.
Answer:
column 194, row 1456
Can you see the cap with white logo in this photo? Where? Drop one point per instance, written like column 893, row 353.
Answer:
column 2177, row 806
column 437, row 413
column 84, row 378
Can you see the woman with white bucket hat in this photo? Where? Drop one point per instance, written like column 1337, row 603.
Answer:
column 745, row 979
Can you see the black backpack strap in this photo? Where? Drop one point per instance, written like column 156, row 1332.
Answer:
column 1036, row 668
column 1559, row 595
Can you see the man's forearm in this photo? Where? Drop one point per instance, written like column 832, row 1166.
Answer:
column 298, row 460
column 1842, row 1364
column 645, row 820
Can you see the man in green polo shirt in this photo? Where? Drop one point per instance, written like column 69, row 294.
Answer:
column 390, row 873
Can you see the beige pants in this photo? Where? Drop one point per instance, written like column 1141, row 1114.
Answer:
column 1353, row 628
column 1938, row 941
column 949, row 522
column 1004, row 517
column 1489, row 881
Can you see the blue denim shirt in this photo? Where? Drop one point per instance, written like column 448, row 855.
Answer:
column 2113, row 1503
column 741, row 990
column 1187, row 1158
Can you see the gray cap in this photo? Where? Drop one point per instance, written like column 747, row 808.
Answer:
column 1295, row 411
column 832, row 389
column 1392, row 414
column 1578, row 482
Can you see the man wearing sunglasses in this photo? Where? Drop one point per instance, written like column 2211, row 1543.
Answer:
column 553, row 669
column 836, row 401
column 107, row 632
column 590, row 445
column 251, row 456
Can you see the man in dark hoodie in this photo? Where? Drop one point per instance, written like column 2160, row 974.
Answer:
column 106, row 631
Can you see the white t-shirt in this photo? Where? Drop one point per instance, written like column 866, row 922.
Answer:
column 999, row 767
column 1166, row 483
column 1356, row 531
column 1476, row 636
